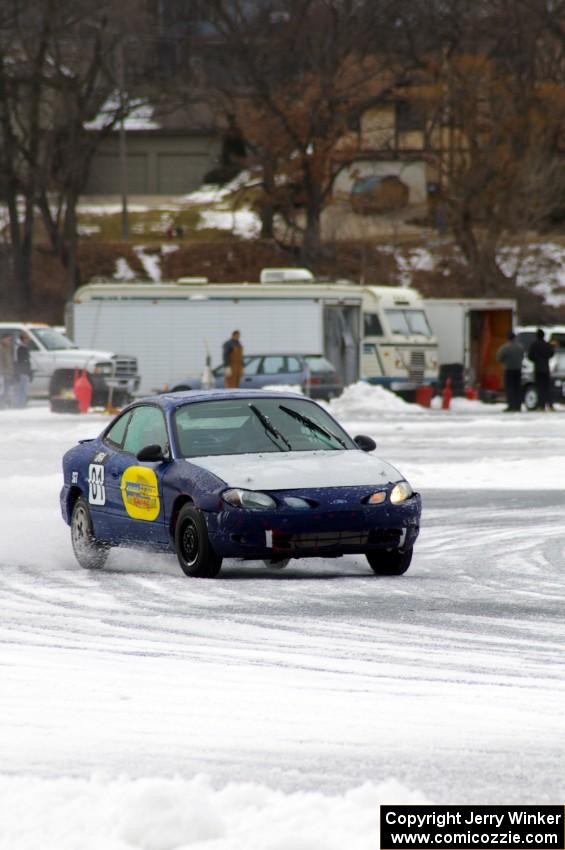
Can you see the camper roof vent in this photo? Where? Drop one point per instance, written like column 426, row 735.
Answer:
column 285, row 275
column 192, row 281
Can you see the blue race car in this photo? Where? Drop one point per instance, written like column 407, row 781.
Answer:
column 254, row 475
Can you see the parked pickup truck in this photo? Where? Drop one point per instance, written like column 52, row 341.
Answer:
column 54, row 359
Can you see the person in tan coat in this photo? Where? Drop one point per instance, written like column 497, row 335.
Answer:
column 233, row 361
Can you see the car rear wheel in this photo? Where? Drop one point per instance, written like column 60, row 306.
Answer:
column 531, row 397
column 194, row 551
column 89, row 552
column 390, row 563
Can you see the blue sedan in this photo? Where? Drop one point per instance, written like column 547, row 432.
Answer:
column 254, row 475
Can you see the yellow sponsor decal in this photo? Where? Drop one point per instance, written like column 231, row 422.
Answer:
column 140, row 493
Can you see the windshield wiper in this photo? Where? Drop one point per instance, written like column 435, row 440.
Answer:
column 269, row 427
column 310, row 423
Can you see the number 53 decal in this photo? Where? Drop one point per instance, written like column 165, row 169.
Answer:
column 96, row 489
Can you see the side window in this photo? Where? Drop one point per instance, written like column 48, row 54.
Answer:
column 115, row 436
column 372, row 324
column 273, row 365
column 251, row 365
column 147, row 427
column 293, row 364
column 31, row 343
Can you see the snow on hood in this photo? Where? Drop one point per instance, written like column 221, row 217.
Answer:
column 300, row 470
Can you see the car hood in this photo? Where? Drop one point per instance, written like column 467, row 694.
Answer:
column 299, row 470
column 73, row 354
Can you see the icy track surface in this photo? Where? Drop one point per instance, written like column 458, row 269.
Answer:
column 276, row 710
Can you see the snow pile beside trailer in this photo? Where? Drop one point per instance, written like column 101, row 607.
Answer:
column 162, row 814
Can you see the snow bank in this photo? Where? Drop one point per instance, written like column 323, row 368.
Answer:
column 285, row 388
column 166, row 814
column 362, row 400
column 211, row 193
column 242, row 222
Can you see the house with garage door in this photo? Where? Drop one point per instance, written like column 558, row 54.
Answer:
column 164, row 155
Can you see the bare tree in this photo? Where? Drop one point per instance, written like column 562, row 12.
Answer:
column 58, row 62
column 492, row 88
column 23, row 60
column 297, row 76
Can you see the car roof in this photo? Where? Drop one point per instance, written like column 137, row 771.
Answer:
column 170, row 400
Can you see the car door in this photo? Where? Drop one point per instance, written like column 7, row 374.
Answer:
column 134, row 489
column 251, row 379
column 273, row 371
column 42, row 364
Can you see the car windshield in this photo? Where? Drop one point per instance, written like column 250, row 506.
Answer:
column 52, row 340
column 408, row 322
column 252, row 425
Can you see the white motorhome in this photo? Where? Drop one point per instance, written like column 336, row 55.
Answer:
column 470, row 331
column 400, row 350
column 173, row 328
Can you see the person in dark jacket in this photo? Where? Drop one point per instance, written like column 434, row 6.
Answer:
column 23, row 370
column 540, row 353
column 511, row 355
column 233, row 361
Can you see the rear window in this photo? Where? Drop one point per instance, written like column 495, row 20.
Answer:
column 319, row 364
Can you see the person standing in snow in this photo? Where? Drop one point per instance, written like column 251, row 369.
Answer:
column 540, row 353
column 233, row 361
column 7, row 371
column 23, row 370
column 511, row 355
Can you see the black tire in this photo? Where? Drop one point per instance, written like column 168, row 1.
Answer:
column 276, row 563
column 194, row 551
column 531, row 397
column 390, row 563
column 89, row 552
column 180, row 388
column 121, row 398
column 61, row 382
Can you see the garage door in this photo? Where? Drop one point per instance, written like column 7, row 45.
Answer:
column 104, row 176
column 180, row 173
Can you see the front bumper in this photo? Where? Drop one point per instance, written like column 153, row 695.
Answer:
column 104, row 385
column 329, row 529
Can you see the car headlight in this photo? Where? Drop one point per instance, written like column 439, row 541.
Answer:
column 400, row 492
column 103, row 369
column 250, row 499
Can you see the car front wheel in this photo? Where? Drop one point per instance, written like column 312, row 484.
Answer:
column 390, row 563
column 194, row 551
column 89, row 552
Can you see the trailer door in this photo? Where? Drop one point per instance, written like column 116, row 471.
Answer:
column 342, row 340
column 488, row 331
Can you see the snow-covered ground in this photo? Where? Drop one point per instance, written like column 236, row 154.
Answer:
column 274, row 710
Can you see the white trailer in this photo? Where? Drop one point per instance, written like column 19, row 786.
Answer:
column 469, row 333
column 173, row 327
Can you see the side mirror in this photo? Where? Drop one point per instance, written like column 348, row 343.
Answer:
column 366, row 444
column 152, row 453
